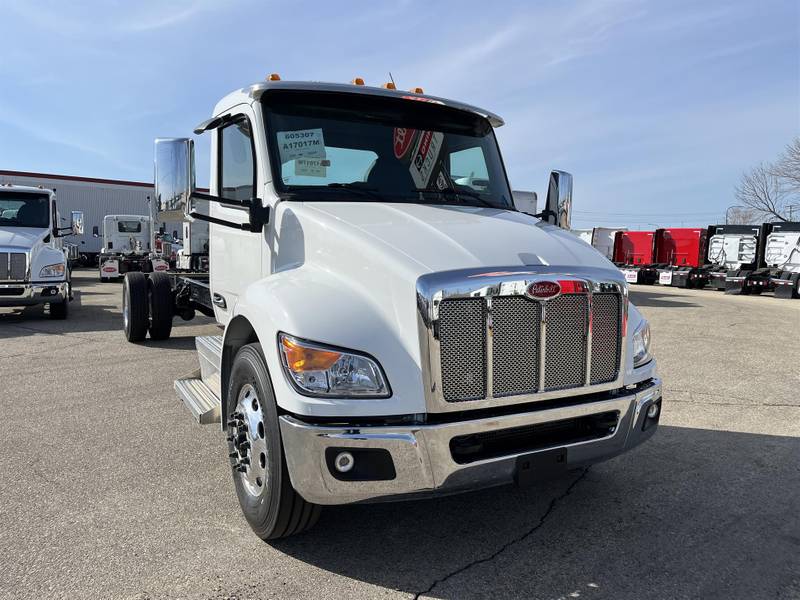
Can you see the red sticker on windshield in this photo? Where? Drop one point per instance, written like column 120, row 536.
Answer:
column 403, row 140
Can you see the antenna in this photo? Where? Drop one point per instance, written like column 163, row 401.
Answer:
column 391, row 78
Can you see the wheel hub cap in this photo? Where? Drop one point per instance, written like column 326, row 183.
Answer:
column 249, row 446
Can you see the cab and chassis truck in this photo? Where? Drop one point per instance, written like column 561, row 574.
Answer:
column 34, row 266
column 394, row 324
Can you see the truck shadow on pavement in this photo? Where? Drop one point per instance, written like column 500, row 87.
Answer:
column 644, row 297
column 692, row 513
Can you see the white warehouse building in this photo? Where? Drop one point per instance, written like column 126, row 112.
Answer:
column 96, row 198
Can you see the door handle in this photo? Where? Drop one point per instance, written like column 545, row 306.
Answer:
column 219, row 300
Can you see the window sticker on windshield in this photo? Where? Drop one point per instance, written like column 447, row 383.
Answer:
column 311, row 167
column 403, row 140
column 425, row 156
column 307, row 143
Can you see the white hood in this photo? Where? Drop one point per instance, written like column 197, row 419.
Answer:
column 23, row 238
column 433, row 238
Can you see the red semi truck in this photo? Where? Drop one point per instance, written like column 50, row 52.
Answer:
column 680, row 255
column 633, row 254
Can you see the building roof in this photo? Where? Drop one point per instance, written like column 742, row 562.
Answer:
column 73, row 178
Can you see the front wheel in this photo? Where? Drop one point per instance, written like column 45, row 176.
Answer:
column 270, row 504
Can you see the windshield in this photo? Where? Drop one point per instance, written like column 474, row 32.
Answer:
column 129, row 226
column 373, row 149
column 21, row 209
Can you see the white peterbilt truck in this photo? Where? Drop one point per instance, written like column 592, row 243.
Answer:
column 394, row 324
column 34, row 267
column 128, row 246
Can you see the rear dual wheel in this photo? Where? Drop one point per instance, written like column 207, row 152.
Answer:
column 146, row 306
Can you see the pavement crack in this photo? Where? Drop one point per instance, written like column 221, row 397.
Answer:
column 550, row 508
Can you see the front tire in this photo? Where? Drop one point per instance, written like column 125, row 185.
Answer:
column 271, row 506
column 135, row 318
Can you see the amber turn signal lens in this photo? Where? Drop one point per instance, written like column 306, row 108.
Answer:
column 303, row 358
column 273, row 77
column 357, row 81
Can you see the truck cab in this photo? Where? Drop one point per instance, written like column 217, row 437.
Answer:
column 730, row 248
column 128, row 242
column 394, row 323
column 34, row 267
column 782, row 258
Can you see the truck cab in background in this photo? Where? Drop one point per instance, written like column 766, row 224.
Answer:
column 730, row 248
column 680, row 254
column 193, row 256
column 782, row 258
column 128, row 246
column 34, row 267
column 393, row 324
column 633, row 255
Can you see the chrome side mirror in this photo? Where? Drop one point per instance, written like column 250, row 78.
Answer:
column 525, row 202
column 76, row 222
column 558, row 206
column 174, row 178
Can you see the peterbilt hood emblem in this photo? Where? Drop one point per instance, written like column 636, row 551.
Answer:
column 543, row 289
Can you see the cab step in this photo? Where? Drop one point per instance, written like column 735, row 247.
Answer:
column 200, row 399
column 200, row 392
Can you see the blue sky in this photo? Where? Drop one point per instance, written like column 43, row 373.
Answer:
column 655, row 107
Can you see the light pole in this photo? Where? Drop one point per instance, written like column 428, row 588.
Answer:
column 726, row 212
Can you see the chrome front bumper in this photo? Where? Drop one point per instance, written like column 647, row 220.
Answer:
column 28, row 294
column 422, row 458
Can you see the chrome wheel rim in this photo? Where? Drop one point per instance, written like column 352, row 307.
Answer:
column 249, row 442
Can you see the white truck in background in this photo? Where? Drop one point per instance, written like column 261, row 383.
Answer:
column 730, row 248
column 600, row 238
column 34, row 267
column 128, row 246
column 394, row 323
column 193, row 256
column 782, row 257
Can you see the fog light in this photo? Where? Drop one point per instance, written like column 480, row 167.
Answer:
column 652, row 411
column 344, row 462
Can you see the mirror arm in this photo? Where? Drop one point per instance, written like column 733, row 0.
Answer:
column 258, row 214
column 546, row 213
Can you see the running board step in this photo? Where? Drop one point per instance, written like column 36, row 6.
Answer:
column 200, row 399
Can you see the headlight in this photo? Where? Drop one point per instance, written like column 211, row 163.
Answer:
column 319, row 370
column 641, row 345
column 52, row 271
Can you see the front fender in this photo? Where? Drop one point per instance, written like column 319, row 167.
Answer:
column 317, row 305
column 44, row 256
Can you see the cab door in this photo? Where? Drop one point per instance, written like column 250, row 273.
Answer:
column 234, row 254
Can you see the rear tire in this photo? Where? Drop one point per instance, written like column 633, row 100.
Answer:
column 271, row 506
column 134, row 307
column 160, row 288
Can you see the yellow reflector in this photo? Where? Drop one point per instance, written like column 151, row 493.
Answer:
column 302, row 358
column 274, row 77
column 417, row 90
column 357, row 81
column 389, row 86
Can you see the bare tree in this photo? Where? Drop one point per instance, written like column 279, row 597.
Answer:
column 787, row 169
column 762, row 191
column 740, row 215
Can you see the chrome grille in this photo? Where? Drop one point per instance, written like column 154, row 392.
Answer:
column 496, row 345
column 463, row 323
column 516, row 323
column 565, row 342
column 13, row 266
column 606, row 346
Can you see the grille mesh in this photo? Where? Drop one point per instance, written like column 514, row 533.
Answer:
column 18, row 264
column 605, row 337
column 565, row 342
column 462, row 331
column 14, row 270
column 516, row 344
column 516, row 322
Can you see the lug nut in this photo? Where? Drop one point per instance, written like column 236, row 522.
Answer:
column 343, row 462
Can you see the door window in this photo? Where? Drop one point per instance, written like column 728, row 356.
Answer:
column 237, row 161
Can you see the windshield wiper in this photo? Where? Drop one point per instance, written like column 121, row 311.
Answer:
column 459, row 196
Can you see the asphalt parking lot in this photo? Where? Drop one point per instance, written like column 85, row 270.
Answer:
column 108, row 489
